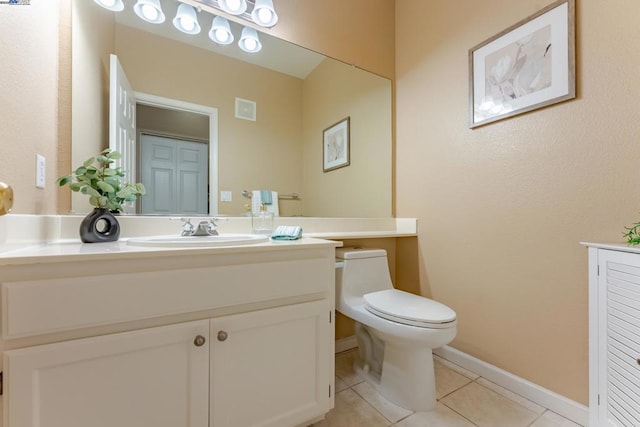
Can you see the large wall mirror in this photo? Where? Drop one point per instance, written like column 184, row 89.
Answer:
column 297, row 95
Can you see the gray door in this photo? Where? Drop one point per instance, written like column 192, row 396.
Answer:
column 175, row 174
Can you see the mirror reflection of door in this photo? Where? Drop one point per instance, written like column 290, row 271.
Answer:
column 174, row 172
column 122, row 122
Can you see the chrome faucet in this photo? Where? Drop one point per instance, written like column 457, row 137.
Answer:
column 204, row 228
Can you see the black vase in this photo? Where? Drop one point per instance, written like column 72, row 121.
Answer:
column 99, row 226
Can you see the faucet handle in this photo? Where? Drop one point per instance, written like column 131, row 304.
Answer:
column 187, row 227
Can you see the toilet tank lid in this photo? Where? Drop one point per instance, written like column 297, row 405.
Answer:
column 353, row 253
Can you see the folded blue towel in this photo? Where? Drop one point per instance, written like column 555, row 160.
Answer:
column 284, row 232
column 265, row 197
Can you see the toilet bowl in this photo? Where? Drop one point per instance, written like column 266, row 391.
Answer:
column 396, row 330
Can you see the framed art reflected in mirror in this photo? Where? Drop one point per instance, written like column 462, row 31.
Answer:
column 335, row 145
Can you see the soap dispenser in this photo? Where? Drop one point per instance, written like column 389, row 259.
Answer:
column 262, row 222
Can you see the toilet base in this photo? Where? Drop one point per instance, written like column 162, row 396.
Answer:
column 400, row 370
column 407, row 380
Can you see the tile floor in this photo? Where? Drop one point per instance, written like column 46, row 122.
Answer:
column 464, row 400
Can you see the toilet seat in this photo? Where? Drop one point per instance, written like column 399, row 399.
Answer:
column 409, row 309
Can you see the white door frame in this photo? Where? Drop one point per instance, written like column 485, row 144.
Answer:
column 174, row 104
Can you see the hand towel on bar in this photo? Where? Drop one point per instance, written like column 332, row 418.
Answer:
column 286, row 232
column 256, row 202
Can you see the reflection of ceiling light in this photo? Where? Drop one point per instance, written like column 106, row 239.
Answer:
column 149, row 10
column 249, row 41
column 234, row 7
column 220, row 31
column 115, row 5
column 186, row 19
column 264, row 14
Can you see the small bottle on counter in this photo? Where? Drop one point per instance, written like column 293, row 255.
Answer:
column 262, row 222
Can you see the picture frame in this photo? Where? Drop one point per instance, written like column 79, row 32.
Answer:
column 529, row 65
column 336, row 145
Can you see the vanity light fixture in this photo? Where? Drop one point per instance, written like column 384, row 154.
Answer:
column 186, row 19
column 234, row 7
column 150, row 11
column 249, row 41
column 220, row 31
column 114, row 5
column 264, row 14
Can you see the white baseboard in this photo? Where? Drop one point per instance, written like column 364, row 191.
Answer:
column 344, row 344
column 557, row 403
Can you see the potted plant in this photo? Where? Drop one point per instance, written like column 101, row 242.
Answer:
column 107, row 191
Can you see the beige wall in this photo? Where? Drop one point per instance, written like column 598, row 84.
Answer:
column 502, row 208
column 333, row 91
column 29, row 93
column 358, row 32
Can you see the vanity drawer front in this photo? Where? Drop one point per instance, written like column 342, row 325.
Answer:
column 39, row 307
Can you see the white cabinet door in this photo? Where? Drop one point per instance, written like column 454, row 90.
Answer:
column 152, row 377
column 618, row 339
column 271, row 367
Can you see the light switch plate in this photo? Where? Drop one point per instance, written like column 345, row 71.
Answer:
column 41, row 171
column 226, row 196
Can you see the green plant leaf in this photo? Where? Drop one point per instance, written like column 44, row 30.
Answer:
column 75, row 186
column 114, row 155
column 105, row 187
column 89, row 161
column 64, row 180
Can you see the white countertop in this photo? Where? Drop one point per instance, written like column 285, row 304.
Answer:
column 31, row 239
column 73, row 250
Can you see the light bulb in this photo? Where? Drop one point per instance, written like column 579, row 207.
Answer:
column 221, row 35
column 187, row 24
column 265, row 15
column 233, row 4
column 113, row 5
column 250, row 44
column 149, row 12
column 220, row 31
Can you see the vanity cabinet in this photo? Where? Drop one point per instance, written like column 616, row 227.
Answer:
column 153, row 377
column 206, row 339
column 614, row 335
column 269, row 368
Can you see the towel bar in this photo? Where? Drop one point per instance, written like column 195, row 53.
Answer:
column 292, row 196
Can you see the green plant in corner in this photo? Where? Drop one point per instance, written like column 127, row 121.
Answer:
column 633, row 234
column 105, row 186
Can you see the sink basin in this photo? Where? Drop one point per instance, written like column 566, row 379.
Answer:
column 198, row 241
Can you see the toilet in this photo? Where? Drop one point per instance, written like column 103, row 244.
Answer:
column 396, row 330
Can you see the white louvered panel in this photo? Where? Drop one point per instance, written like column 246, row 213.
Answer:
column 626, row 323
column 617, row 412
column 624, row 364
column 623, row 344
column 625, row 386
column 624, row 406
column 615, row 269
column 622, row 310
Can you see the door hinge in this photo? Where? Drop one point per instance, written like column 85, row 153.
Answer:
column 598, row 400
column 330, row 316
column 329, row 390
column 1, row 382
column 598, row 269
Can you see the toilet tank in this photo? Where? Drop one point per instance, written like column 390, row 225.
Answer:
column 364, row 271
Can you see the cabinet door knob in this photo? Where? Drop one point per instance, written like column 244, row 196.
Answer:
column 222, row 335
column 199, row 341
